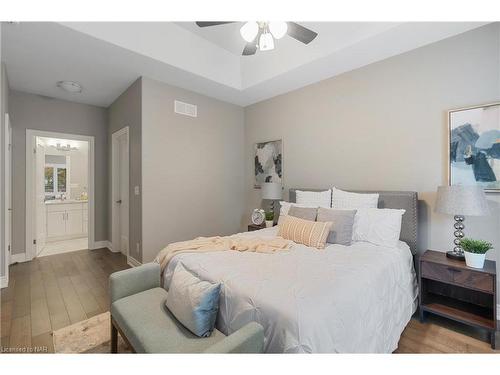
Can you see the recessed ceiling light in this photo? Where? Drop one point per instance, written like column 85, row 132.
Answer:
column 70, row 86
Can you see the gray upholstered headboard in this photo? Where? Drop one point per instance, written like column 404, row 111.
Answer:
column 406, row 200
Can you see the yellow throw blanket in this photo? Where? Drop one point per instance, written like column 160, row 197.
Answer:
column 209, row 244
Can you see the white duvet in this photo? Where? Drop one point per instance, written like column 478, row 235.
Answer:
column 343, row 299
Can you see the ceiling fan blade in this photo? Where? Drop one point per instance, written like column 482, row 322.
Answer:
column 250, row 48
column 212, row 23
column 301, row 33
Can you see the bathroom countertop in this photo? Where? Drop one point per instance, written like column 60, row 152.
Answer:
column 66, row 201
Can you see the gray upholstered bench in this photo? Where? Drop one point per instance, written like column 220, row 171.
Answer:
column 139, row 313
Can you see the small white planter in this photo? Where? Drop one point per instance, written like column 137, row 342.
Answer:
column 269, row 223
column 474, row 260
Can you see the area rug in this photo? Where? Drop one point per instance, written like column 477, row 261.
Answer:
column 88, row 336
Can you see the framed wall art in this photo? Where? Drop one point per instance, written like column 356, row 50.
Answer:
column 474, row 146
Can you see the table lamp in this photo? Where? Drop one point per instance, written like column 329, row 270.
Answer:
column 271, row 191
column 460, row 201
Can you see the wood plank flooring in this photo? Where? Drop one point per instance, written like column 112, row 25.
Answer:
column 52, row 292
column 438, row 335
column 55, row 291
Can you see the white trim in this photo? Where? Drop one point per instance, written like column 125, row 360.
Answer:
column 18, row 258
column 115, row 242
column 498, row 311
column 132, row 262
column 7, row 199
column 30, row 170
column 101, row 244
column 4, row 281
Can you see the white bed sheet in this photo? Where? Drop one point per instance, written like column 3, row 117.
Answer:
column 343, row 299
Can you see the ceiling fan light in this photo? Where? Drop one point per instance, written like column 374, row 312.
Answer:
column 278, row 29
column 249, row 31
column 266, row 42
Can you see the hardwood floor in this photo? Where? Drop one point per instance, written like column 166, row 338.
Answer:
column 52, row 292
column 438, row 335
column 55, row 291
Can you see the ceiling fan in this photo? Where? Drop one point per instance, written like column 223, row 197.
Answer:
column 261, row 34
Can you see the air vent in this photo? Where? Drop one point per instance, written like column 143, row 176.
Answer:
column 186, row 109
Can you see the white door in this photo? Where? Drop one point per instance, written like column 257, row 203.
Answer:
column 120, row 165
column 74, row 222
column 56, row 224
column 41, row 226
column 8, row 189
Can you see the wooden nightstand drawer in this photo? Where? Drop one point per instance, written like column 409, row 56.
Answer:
column 437, row 271
column 476, row 280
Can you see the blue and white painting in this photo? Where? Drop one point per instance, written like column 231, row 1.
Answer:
column 268, row 162
column 475, row 147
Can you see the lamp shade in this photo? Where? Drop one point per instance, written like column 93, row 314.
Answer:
column 461, row 200
column 271, row 190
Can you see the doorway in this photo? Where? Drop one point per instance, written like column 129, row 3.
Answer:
column 59, row 193
column 120, row 190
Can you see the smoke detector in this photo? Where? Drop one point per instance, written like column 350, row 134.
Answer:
column 70, row 86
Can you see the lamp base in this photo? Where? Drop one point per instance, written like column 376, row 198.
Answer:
column 455, row 255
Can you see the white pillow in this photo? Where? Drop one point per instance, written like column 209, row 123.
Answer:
column 314, row 198
column 380, row 226
column 344, row 200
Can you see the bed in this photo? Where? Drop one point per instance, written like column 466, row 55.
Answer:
column 343, row 299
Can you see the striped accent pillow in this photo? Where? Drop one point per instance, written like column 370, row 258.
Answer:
column 309, row 233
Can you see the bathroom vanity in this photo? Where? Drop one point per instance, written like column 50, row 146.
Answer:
column 66, row 219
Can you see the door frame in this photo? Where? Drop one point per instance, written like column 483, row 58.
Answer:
column 31, row 192
column 7, row 214
column 114, row 177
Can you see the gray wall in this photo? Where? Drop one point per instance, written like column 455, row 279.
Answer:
column 384, row 126
column 126, row 111
column 192, row 168
column 30, row 111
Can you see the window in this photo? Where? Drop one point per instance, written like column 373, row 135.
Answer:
column 49, row 179
column 61, row 180
column 55, row 179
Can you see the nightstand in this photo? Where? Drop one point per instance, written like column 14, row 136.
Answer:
column 252, row 227
column 452, row 290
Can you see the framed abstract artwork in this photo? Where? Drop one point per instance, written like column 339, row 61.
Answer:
column 474, row 146
column 268, row 162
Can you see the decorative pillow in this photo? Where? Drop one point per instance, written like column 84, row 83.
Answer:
column 309, row 233
column 314, row 198
column 343, row 222
column 285, row 207
column 345, row 200
column 306, row 213
column 193, row 302
column 380, row 226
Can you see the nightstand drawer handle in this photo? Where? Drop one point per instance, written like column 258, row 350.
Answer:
column 453, row 269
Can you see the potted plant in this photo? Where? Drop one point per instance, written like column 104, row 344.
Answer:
column 269, row 219
column 475, row 251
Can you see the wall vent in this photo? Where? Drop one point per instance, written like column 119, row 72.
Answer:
column 186, row 109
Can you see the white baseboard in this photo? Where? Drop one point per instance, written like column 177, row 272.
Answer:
column 17, row 258
column 4, row 282
column 132, row 262
column 101, row 244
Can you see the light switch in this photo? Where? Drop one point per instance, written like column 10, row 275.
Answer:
column 136, row 190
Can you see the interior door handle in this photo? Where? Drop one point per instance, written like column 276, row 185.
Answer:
column 119, row 201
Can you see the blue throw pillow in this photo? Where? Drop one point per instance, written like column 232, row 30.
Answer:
column 193, row 302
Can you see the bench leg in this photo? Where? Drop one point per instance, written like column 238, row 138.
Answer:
column 114, row 338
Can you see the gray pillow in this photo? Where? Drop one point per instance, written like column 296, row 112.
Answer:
column 343, row 222
column 193, row 302
column 306, row 213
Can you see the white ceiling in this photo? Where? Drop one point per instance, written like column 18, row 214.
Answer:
column 106, row 57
